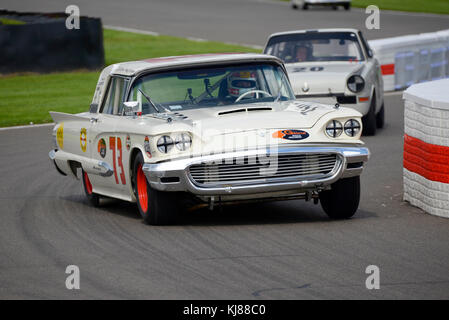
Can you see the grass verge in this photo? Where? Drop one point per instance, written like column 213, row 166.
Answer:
column 6, row 21
column 427, row 6
column 28, row 97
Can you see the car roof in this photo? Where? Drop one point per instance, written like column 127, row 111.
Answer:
column 134, row 67
column 314, row 30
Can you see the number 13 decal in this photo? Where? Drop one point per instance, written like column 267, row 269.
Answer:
column 118, row 148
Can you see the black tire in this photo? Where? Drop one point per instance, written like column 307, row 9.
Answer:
column 305, row 6
column 294, row 6
column 94, row 199
column 342, row 201
column 369, row 120
column 347, row 6
column 380, row 117
column 161, row 207
column 334, row 8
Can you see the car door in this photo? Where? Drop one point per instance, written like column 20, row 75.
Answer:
column 105, row 145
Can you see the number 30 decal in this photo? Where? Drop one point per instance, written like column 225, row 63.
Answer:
column 118, row 148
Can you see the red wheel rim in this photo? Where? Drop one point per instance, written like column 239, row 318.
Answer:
column 142, row 189
column 87, row 183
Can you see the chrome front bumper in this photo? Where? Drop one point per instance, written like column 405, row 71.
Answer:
column 174, row 175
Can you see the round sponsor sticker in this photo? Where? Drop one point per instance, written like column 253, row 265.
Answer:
column 83, row 139
column 291, row 134
column 102, row 148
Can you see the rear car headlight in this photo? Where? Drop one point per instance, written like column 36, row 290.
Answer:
column 183, row 141
column 334, row 128
column 352, row 127
column 165, row 144
column 356, row 83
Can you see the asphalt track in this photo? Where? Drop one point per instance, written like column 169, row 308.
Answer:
column 267, row 251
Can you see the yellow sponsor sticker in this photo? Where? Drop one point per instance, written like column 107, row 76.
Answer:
column 83, row 139
column 60, row 136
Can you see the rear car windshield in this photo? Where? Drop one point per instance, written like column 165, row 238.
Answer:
column 315, row 46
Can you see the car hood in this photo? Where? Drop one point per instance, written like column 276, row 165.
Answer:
column 247, row 117
column 321, row 77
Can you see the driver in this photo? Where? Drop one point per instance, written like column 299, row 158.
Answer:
column 303, row 52
column 241, row 82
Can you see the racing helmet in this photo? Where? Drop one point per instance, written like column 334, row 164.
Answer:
column 241, row 82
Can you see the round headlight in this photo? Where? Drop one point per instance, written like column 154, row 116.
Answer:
column 165, row 144
column 183, row 141
column 334, row 128
column 352, row 127
column 356, row 83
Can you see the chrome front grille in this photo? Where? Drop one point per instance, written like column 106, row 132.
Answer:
column 247, row 171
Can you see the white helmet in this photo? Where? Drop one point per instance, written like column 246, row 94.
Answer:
column 241, row 82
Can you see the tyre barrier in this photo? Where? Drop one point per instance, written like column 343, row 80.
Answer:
column 426, row 147
column 44, row 44
column 411, row 59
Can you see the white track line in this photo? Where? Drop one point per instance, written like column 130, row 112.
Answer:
column 28, row 126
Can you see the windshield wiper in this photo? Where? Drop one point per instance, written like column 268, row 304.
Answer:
column 152, row 103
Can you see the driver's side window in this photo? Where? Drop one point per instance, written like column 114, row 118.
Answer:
column 114, row 98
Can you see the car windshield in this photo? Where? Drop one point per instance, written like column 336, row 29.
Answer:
column 211, row 87
column 315, row 46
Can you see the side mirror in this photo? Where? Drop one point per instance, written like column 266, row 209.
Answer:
column 132, row 108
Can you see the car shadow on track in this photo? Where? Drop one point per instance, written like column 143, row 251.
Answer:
column 284, row 212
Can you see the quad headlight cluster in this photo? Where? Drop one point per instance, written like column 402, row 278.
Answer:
column 335, row 128
column 182, row 142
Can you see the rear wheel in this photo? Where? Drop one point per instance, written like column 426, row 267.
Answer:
column 294, row 6
column 380, row 117
column 369, row 120
column 342, row 201
column 347, row 6
column 155, row 207
column 305, row 6
column 93, row 198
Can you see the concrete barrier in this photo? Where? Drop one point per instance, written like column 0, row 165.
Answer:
column 44, row 44
column 426, row 146
column 411, row 59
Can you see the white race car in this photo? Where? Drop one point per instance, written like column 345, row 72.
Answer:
column 209, row 130
column 333, row 66
column 305, row 4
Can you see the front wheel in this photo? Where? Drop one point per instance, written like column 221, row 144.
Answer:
column 155, row 207
column 342, row 201
column 347, row 6
column 94, row 199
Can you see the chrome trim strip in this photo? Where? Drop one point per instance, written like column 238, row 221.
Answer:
column 52, row 154
column 179, row 168
column 109, row 171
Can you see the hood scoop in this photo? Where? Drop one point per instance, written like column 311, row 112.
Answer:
column 245, row 110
